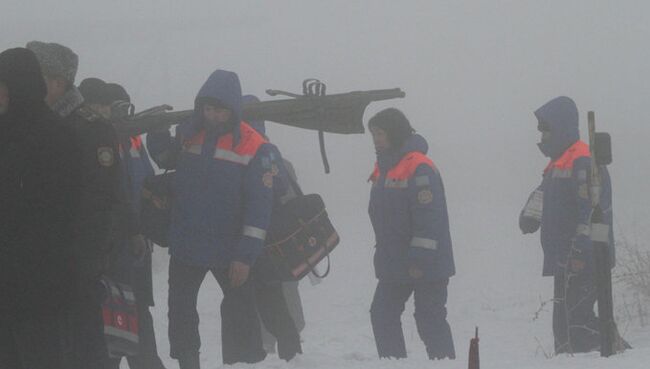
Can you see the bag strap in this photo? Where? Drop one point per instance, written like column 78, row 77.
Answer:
column 327, row 271
column 290, row 177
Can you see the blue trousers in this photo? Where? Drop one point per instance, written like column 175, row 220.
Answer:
column 430, row 318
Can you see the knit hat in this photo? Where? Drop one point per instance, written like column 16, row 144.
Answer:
column 95, row 91
column 116, row 92
column 56, row 60
column 395, row 124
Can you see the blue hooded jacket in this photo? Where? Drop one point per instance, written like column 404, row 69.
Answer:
column 408, row 212
column 566, row 204
column 223, row 187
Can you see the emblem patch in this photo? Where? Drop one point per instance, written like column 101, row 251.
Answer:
column 425, row 197
column 267, row 179
column 105, row 156
column 275, row 170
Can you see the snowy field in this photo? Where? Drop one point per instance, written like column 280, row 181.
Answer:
column 473, row 72
column 338, row 333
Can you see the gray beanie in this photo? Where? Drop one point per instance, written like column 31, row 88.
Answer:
column 56, row 60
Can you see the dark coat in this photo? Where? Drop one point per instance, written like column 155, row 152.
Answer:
column 408, row 212
column 102, row 215
column 38, row 175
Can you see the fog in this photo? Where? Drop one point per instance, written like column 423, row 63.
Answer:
column 473, row 73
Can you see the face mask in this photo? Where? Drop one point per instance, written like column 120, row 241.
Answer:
column 545, row 140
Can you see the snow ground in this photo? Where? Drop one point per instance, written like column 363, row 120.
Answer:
column 338, row 333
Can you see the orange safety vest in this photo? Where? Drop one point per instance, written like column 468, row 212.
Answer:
column 563, row 166
column 399, row 175
column 250, row 141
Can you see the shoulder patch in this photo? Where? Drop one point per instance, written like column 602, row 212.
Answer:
column 105, row 156
column 267, row 179
column 425, row 197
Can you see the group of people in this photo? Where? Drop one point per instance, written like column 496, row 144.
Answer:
column 70, row 193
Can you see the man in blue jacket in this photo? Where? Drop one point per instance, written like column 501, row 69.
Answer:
column 222, row 201
column 413, row 252
column 562, row 207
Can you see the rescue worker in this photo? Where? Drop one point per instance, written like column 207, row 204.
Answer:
column 39, row 170
column 136, row 258
column 561, row 206
column 279, row 315
column 101, row 202
column 222, row 201
column 413, row 252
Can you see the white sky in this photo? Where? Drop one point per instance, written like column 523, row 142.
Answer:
column 473, row 72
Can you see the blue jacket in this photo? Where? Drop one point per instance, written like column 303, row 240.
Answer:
column 565, row 190
column 408, row 212
column 129, row 268
column 137, row 167
column 223, row 187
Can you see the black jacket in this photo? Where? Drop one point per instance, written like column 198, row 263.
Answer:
column 38, row 177
column 101, row 214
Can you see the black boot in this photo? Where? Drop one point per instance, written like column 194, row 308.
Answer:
column 189, row 361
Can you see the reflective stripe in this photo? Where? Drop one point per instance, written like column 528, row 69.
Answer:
column 192, row 149
column 129, row 296
column 254, row 232
column 422, row 181
column 286, row 198
column 600, row 232
column 583, row 229
column 135, row 153
column 232, row 156
column 535, row 205
column 425, row 243
column 396, row 183
column 115, row 291
column 561, row 173
column 121, row 334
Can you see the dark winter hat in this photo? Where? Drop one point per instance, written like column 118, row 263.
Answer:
column 95, row 91
column 20, row 71
column 56, row 60
column 394, row 123
column 257, row 125
column 116, row 92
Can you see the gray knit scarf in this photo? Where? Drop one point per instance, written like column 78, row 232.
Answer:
column 68, row 102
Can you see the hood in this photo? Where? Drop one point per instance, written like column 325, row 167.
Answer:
column 20, row 71
column 415, row 143
column 560, row 115
column 257, row 125
column 388, row 159
column 222, row 86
